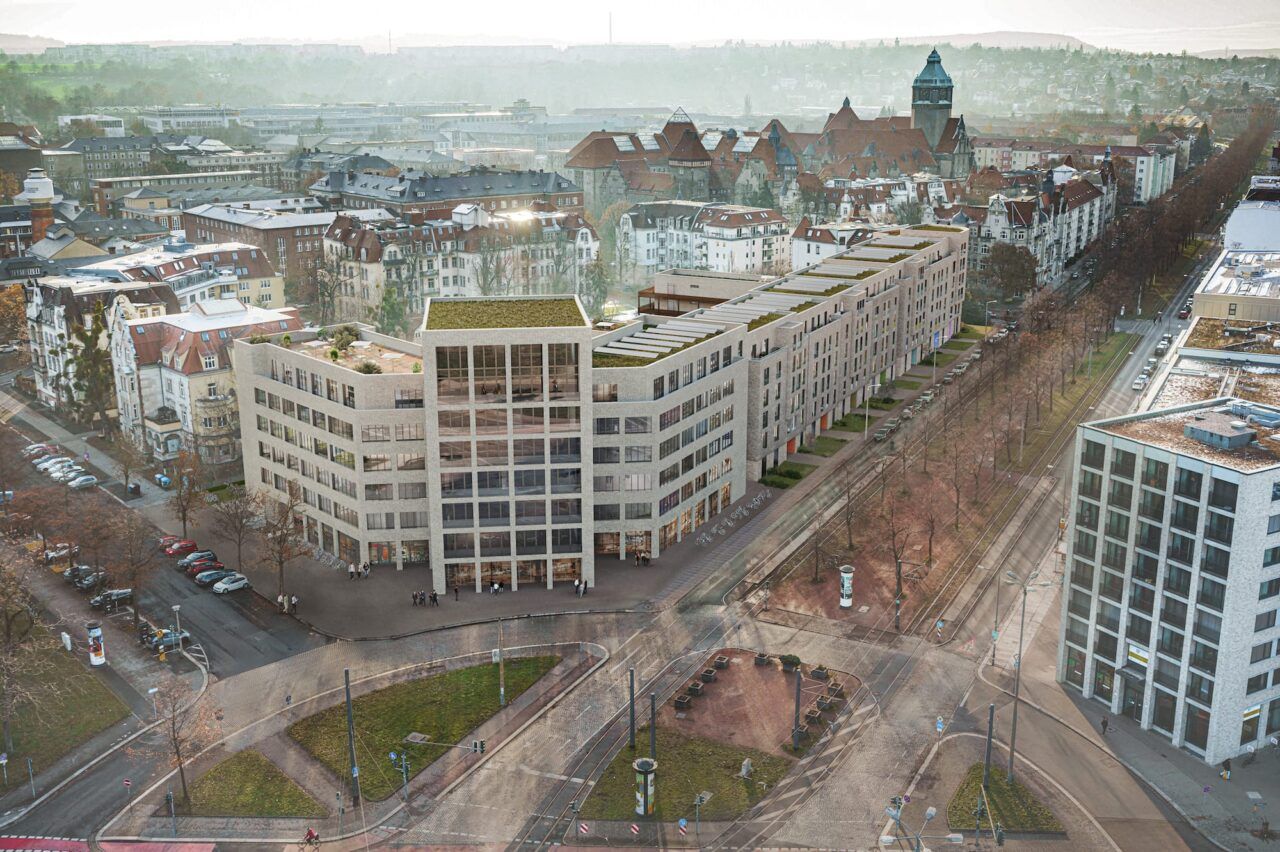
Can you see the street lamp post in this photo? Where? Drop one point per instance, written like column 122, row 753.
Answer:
column 915, row 838
column 155, row 711
column 177, row 617
column 1017, row 672
column 986, row 310
column 866, row 418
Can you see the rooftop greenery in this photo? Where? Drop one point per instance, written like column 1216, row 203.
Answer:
column 608, row 359
column 503, row 313
column 948, row 228
column 856, row 276
column 830, row 291
column 764, row 320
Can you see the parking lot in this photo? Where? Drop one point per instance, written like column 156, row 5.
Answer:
column 233, row 631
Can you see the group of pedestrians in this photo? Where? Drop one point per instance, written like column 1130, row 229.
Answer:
column 641, row 557
column 288, row 604
column 425, row 599
column 357, row 572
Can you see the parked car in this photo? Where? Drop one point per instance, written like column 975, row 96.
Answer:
column 908, row 413
column 947, row 379
column 926, row 397
column 47, row 462
column 231, row 583
column 32, row 450
column 111, row 599
column 179, row 547
column 167, row 640
column 892, row 423
column 8, row 348
column 68, row 473
column 1139, row 383
column 92, row 580
column 213, row 575
column 976, row 356
column 75, row 572
column 61, row 550
column 82, row 482
column 1184, row 313
column 165, row 540
column 195, row 569
column 881, row 434
column 54, row 468
column 196, row 556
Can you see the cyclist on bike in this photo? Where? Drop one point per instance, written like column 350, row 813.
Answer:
column 311, row 837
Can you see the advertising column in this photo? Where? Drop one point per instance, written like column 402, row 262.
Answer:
column 97, row 651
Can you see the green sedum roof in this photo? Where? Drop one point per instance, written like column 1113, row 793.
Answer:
column 503, row 313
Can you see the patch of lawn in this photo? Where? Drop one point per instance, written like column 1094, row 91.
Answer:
column 943, row 359
column 444, row 707
column 906, row 384
column 78, row 707
column 1013, row 805
column 249, row 785
column 774, row 481
column 852, row 423
column 824, row 446
column 972, row 332
column 786, row 474
column 955, row 344
column 884, row 403
column 686, row 767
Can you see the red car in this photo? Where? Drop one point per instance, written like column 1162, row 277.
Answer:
column 165, row 541
column 198, row 567
column 179, row 547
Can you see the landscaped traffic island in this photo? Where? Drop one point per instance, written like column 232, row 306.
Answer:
column 248, row 785
column 444, row 708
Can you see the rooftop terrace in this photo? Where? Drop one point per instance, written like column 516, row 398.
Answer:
column 652, row 343
column 360, row 353
column 499, row 312
column 1234, row 336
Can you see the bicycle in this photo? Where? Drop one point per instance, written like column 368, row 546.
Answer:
column 304, row 843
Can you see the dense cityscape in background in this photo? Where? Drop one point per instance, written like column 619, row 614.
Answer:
column 653, row 445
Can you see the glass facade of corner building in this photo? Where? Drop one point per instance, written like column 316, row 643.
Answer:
column 511, row 425
column 1149, row 562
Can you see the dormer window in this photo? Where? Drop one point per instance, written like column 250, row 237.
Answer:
column 211, row 362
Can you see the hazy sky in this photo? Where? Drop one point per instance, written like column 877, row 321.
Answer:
column 1173, row 25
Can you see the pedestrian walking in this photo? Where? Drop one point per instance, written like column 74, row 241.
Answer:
column 1226, row 770
column 280, row 602
column 415, row 598
column 293, row 604
column 1104, row 724
column 366, row 569
column 576, row 591
column 455, row 593
column 435, row 599
column 351, row 571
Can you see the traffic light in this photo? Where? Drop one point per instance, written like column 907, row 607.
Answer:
column 482, row 746
column 475, row 746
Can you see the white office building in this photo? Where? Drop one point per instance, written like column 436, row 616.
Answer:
column 1172, row 586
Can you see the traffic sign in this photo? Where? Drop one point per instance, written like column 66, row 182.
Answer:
column 127, row 783
column 635, row 829
column 583, row 828
column 684, row 823
column 684, row 829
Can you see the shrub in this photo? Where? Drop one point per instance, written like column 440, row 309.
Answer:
column 368, row 368
column 258, row 338
column 792, row 473
column 417, row 366
column 344, row 337
column 789, row 660
column 333, row 355
column 286, row 341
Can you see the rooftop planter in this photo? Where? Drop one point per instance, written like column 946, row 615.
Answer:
column 503, row 313
column 856, row 276
column 947, row 228
column 790, row 662
column 764, row 320
column 830, row 291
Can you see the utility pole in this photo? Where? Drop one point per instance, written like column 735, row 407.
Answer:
column 631, row 707
column 173, row 816
column 995, row 624
column 351, row 741
column 795, row 724
column 986, row 763
column 1017, row 678
column 653, row 725
column 502, row 671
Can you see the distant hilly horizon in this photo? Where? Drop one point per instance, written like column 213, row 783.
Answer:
column 19, row 43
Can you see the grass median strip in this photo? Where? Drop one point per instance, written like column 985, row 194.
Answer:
column 249, row 785
column 1012, row 805
column 686, row 767
column 823, row 446
column 74, row 705
column 444, row 708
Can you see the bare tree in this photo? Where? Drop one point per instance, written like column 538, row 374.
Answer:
column 236, row 515
column 897, row 529
column 816, row 551
column 25, row 647
column 282, row 533
column 134, row 558
column 187, row 483
column 849, row 485
column 129, row 458
column 189, row 725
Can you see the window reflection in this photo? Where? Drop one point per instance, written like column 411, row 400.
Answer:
column 451, row 373
column 490, row 373
column 562, row 370
column 526, row 372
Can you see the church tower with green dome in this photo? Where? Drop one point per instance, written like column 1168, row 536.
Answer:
column 931, row 100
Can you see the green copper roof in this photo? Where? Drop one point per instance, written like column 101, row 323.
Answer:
column 933, row 75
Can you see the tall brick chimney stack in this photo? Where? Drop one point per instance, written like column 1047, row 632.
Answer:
column 39, row 192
